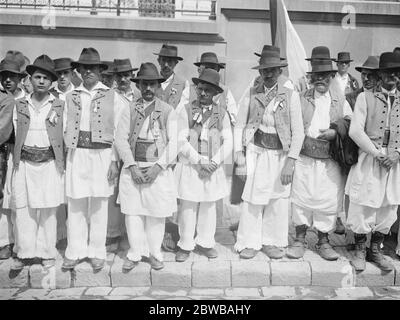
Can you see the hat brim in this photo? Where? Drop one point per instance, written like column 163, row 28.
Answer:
column 360, row 69
column 22, row 74
column 322, row 71
column 343, row 60
column 32, row 68
column 389, row 68
column 219, row 64
column 174, row 57
column 259, row 55
column 137, row 79
column 311, row 59
column 76, row 64
column 126, row 70
column 64, row 69
column 198, row 80
column 273, row 65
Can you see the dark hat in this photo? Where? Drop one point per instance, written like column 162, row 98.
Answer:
column 89, row 56
column 389, row 60
column 169, row 51
column 8, row 65
column 209, row 57
column 110, row 68
column 321, row 65
column 18, row 57
column 372, row 63
column 320, row 52
column 397, row 49
column 123, row 65
column 148, row 71
column 62, row 64
column 343, row 57
column 267, row 48
column 43, row 63
column 209, row 76
column 270, row 58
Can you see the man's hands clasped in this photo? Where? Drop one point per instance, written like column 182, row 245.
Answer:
column 388, row 161
column 144, row 175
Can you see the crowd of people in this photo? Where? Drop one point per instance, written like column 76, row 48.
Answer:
column 91, row 149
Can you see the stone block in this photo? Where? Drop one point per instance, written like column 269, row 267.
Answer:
column 206, row 292
column 84, row 276
column 250, row 273
column 69, row 292
column 137, row 277
column 295, row 273
column 53, row 277
column 278, row 292
column 354, row 293
column 13, row 279
column 372, row 276
column 130, row 291
column 332, row 274
column 6, row 294
column 34, row 293
column 211, row 274
column 226, row 252
column 174, row 274
column 98, row 291
column 168, row 292
column 242, row 292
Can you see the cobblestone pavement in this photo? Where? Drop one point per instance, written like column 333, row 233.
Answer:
column 151, row 293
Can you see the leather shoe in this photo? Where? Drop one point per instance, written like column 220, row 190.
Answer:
column 97, row 264
column 17, row 264
column 208, row 252
column 48, row 262
column 273, row 252
column 155, row 263
column 326, row 251
column 69, row 264
column 247, row 253
column 129, row 265
column 6, row 252
column 296, row 250
column 182, row 255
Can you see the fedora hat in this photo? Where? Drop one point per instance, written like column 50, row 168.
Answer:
column 123, row 65
column 209, row 76
column 266, row 48
column 169, row 51
column 343, row 57
column 62, row 64
column 89, row 56
column 9, row 65
column 148, row 71
column 320, row 52
column 209, row 57
column 321, row 65
column 372, row 63
column 19, row 58
column 43, row 63
column 389, row 60
column 270, row 58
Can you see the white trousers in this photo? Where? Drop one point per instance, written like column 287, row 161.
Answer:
column 263, row 225
column 87, row 228
column 199, row 217
column 145, row 235
column 36, row 233
column 7, row 227
column 115, row 226
column 363, row 220
column 322, row 221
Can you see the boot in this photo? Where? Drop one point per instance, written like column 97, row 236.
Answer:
column 374, row 253
column 298, row 248
column 358, row 260
column 324, row 249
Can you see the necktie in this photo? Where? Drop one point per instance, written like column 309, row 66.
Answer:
column 391, row 98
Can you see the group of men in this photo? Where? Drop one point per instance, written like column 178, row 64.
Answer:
column 95, row 149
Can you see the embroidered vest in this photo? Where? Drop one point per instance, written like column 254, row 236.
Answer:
column 101, row 117
column 173, row 92
column 54, row 131
column 7, row 103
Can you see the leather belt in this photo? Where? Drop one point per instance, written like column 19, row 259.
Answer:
column 315, row 148
column 386, row 137
column 85, row 141
column 37, row 154
column 146, row 151
column 267, row 140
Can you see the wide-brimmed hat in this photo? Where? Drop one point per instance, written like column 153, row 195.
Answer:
column 268, row 47
column 209, row 76
column 62, row 64
column 321, row 65
column 89, row 56
column 148, row 71
column 389, row 60
column 43, row 63
column 321, row 53
column 270, row 58
column 169, row 51
column 211, row 58
column 9, row 65
column 19, row 58
column 123, row 65
column 343, row 57
column 110, row 68
column 372, row 63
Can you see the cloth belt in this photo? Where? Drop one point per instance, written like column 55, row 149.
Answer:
column 85, row 141
column 146, row 150
column 386, row 137
column 37, row 154
column 315, row 148
column 267, row 140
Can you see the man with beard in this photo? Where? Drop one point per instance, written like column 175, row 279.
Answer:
column 344, row 80
column 318, row 184
column 171, row 89
column 147, row 141
column 91, row 115
column 373, row 181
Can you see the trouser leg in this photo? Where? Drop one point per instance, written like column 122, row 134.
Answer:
column 155, row 232
column 206, row 224
column 249, row 234
column 47, row 234
column 187, row 218
column 27, row 226
column 135, row 230
column 98, row 215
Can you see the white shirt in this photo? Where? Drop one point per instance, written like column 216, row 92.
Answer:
column 391, row 93
column 62, row 94
column 166, row 83
column 342, row 81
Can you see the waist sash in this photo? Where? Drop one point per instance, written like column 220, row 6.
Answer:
column 267, row 140
column 85, row 141
column 146, row 150
column 37, row 154
column 315, row 148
